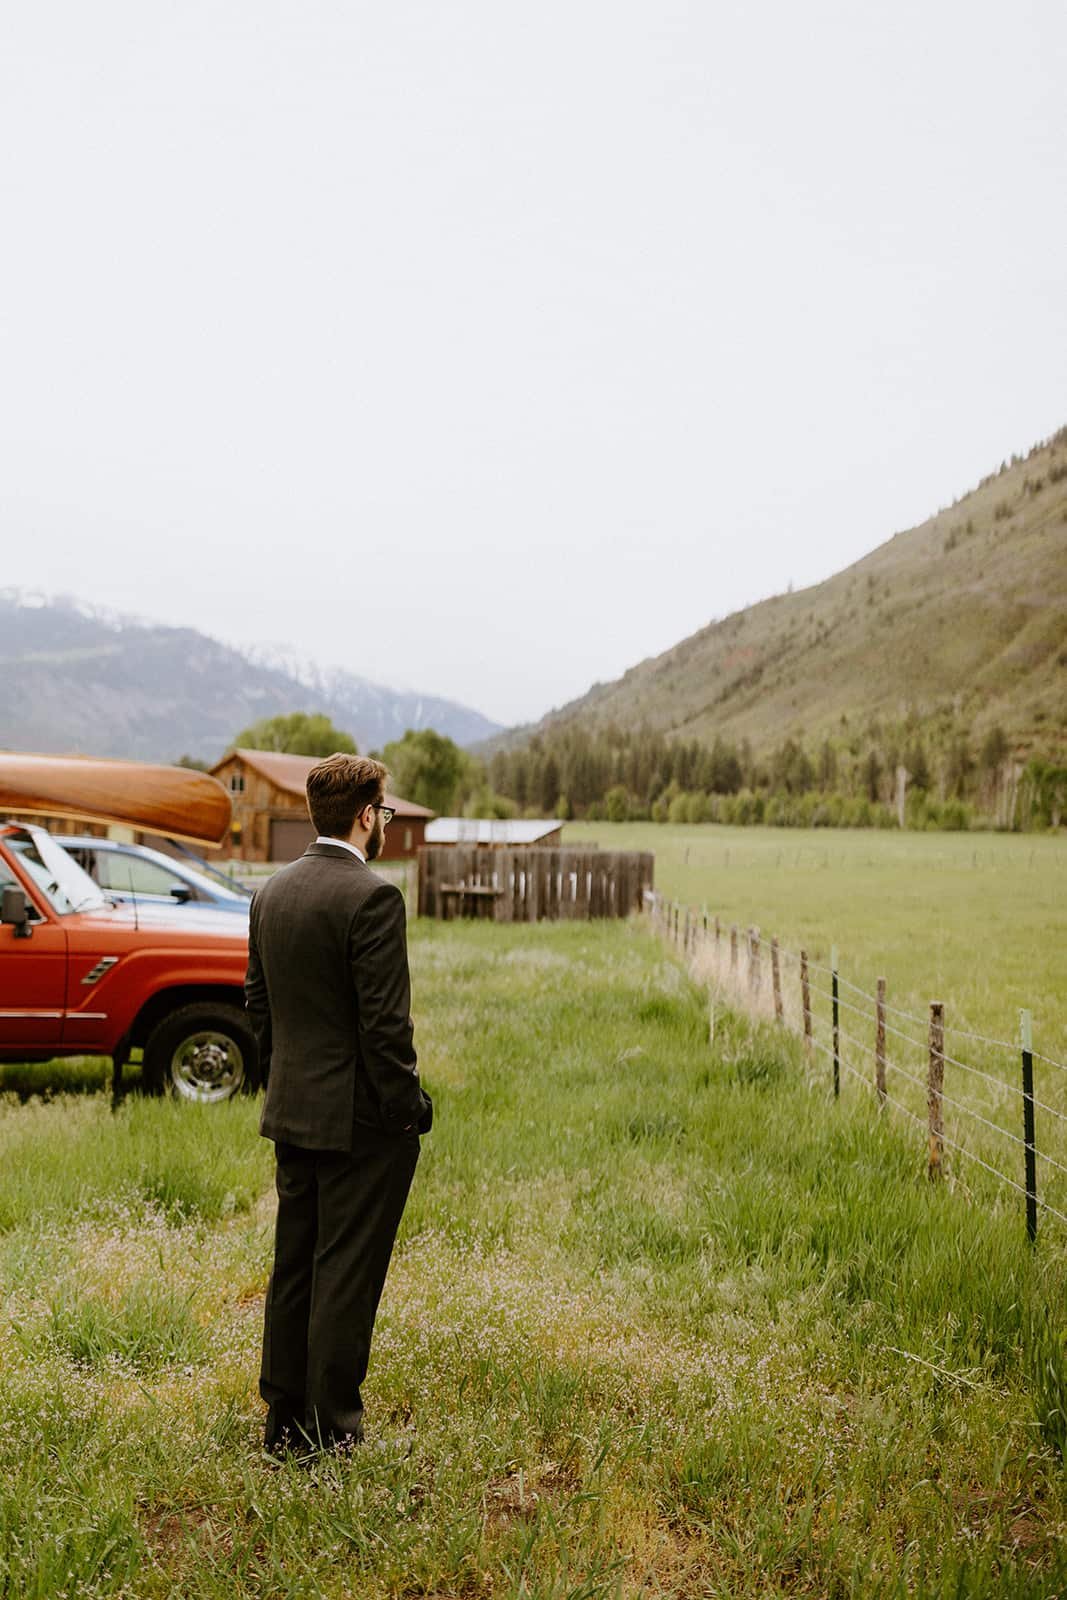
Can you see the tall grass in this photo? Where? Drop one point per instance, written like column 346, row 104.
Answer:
column 663, row 1320
column 976, row 920
column 74, row 1158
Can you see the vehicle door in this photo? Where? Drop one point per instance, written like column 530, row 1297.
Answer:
column 33, row 972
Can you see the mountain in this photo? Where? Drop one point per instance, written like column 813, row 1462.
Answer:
column 964, row 615
column 76, row 678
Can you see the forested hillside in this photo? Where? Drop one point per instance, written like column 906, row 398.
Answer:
column 943, row 652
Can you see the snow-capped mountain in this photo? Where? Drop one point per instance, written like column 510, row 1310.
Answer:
column 77, row 677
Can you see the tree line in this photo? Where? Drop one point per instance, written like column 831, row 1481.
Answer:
column 953, row 779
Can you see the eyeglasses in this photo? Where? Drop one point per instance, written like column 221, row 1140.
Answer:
column 388, row 813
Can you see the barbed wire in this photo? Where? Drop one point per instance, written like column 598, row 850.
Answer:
column 970, row 1155
column 923, row 1045
column 982, row 1038
column 699, row 921
column 1050, row 1110
column 1048, row 1060
column 919, row 1044
column 946, row 1099
column 786, row 952
column 856, row 989
column 946, row 1139
column 1010, row 1087
column 898, row 1104
column 1043, row 1156
column 1000, row 1084
column 827, row 994
column 865, row 1079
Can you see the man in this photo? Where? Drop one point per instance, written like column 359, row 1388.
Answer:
column 329, row 997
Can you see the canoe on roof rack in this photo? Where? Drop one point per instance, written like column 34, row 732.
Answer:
column 177, row 802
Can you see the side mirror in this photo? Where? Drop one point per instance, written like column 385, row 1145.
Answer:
column 182, row 893
column 15, row 910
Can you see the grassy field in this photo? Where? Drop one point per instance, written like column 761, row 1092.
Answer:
column 663, row 1320
column 976, row 920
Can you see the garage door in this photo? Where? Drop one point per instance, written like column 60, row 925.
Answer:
column 289, row 837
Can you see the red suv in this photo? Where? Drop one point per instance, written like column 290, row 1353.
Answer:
column 80, row 975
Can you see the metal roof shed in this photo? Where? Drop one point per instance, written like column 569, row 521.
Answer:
column 495, row 831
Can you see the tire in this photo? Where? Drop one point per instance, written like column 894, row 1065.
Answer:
column 203, row 1053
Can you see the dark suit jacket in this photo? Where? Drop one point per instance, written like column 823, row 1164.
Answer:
column 329, row 998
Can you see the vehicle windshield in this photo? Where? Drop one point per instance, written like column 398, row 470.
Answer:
column 200, row 867
column 58, row 877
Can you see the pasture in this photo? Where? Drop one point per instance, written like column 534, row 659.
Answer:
column 978, row 920
column 663, row 1320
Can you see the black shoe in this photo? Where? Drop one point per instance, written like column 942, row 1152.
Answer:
column 289, row 1443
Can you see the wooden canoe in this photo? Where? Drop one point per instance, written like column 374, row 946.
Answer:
column 178, row 802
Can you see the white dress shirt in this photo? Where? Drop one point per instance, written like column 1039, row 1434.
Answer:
column 324, row 838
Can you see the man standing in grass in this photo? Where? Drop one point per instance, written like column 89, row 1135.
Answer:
column 329, row 997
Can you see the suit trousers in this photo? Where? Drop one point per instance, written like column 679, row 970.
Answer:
column 338, row 1215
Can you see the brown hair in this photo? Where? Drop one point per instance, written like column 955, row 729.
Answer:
column 339, row 787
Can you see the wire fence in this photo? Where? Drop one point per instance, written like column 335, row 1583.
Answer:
column 899, row 1058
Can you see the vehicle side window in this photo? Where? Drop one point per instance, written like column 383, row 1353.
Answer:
column 43, row 877
column 125, row 873
column 8, row 880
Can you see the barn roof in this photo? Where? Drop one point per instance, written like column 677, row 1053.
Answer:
column 490, row 830
column 290, row 773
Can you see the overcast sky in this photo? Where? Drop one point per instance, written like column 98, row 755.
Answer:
column 488, row 348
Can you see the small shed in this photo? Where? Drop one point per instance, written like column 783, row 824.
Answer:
column 506, row 833
column 267, row 789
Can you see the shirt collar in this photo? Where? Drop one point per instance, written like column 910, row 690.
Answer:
column 343, row 844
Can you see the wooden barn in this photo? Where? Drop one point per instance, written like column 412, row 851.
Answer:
column 270, row 819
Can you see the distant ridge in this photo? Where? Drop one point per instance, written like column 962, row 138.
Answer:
column 965, row 616
column 74, row 677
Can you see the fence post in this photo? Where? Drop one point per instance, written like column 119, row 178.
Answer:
column 805, row 1000
column 1027, row 1040
column 935, row 1086
column 733, row 947
column 718, row 934
column 837, row 1028
column 879, row 1042
column 685, row 933
column 753, row 962
column 776, row 981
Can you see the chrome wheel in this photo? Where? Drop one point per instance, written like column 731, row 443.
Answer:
column 207, row 1067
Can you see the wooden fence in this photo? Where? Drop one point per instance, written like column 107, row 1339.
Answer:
column 533, row 884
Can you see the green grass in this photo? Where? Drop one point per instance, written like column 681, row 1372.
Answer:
column 663, row 1320
column 976, row 920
